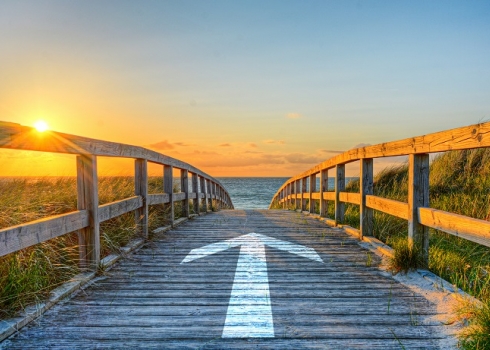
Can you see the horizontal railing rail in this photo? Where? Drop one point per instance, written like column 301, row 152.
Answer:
column 295, row 191
column 206, row 190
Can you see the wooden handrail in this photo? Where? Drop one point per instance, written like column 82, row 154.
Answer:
column 86, row 220
column 417, row 212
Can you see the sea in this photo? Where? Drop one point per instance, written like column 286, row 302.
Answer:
column 257, row 192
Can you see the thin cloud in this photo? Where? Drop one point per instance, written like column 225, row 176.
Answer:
column 331, row 151
column 275, row 142
column 224, row 145
column 253, row 145
column 360, row 145
column 294, row 116
column 162, row 145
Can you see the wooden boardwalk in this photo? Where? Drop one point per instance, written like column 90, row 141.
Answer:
column 154, row 300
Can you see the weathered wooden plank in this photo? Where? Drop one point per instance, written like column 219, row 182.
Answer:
column 179, row 196
column 474, row 230
column 339, row 187
column 111, row 210
column 141, row 190
column 22, row 236
column 159, row 198
column 168, row 188
column 156, row 300
column 311, row 190
column 329, row 196
column 388, row 206
column 367, row 188
column 418, row 196
column 323, row 190
column 88, row 199
column 350, row 197
column 184, row 187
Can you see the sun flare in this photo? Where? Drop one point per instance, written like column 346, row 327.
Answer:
column 41, row 126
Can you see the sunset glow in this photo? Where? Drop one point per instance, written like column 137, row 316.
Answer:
column 41, row 126
column 245, row 88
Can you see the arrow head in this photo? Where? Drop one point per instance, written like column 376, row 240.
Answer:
column 248, row 239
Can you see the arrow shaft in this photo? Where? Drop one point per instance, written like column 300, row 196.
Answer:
column 249, row 310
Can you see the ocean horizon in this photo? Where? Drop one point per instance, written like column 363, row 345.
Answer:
column 257, row 192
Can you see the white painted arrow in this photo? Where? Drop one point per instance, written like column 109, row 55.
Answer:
column 249, row 310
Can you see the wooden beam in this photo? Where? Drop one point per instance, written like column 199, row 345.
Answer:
column 474, row 230
column 312, row 189
column 366, row 188
column 159, row 198
column 168, row 188
column 350, row 197
column 184, row 187
column 22, row 236
column 323, row 189
column 88, row 199
column 204, row 192
column 339, row 187
column 115, row 209
column 329, row 196
column 388, row 206
column 195, row 188
column 141, row 189
column 418, row 197
column 303, row 193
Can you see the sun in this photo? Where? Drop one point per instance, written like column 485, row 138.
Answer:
column 41, row 126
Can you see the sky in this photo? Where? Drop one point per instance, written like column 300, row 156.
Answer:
column 241, row 88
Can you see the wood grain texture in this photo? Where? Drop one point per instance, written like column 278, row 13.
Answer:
column 22, row 236
column 158, row 198
column 367, row 187
column 474, row 230
column 111, row 210
column 153, row 301
column 388, row 206
column 141, row 189
column 339, row 187
column 418, row 197
column 350, row 197
column 88, row 199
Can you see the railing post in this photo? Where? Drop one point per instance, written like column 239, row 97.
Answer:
column 303, row 194
column 210, row 192
column 195, row 189
column 141, row 189
column 339, row 187
column 88, row 199
column 418, row 196
column 209, row 200
column 282, row 198
column 202, row 181
column 366, row 188
column 298, row 192
column 312, row 190
column 323, row 189
column 168, row 187
column 184, row 186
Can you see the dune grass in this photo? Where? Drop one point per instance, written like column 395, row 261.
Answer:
column 459, row 183
column 29, row 275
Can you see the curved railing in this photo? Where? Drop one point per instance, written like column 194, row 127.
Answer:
column 90, row 214
column 416, row 211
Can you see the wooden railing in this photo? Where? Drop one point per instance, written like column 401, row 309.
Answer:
column 416, row 211
column 86, row 220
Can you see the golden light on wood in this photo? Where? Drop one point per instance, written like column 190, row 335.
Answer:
column 41, row 126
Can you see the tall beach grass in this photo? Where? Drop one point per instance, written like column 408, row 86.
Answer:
column 29, row 275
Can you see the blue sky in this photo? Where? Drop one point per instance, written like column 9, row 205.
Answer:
column 293, row 78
